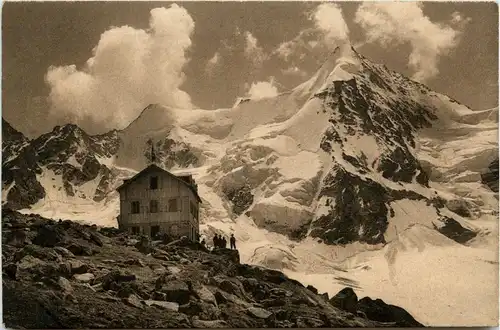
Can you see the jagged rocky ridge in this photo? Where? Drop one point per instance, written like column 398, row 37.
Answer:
column 76, row 157
column 67, row 151
column 383, row 105
column 171, row 153
column 66, row 275
column 19, row 169
column 359, row 207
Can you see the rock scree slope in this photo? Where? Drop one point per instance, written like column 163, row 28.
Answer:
column 61, row 274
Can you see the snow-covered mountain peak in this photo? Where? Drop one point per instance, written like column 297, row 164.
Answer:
column 340, row 65
column 345, row 62
column 152, row 117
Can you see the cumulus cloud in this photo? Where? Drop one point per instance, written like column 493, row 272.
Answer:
column 328, row 18
column 405, row 22
column 212, row 63
column 130, row 69
column 328, row 30
column 253, row 51
column 262, row 89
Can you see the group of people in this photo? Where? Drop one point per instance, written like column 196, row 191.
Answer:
column 220, row 242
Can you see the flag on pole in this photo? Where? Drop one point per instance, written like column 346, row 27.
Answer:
column 153, row 156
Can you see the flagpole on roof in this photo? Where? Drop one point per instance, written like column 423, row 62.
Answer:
column 153, row 156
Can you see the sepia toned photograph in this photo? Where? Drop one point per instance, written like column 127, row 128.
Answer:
column 259, row 164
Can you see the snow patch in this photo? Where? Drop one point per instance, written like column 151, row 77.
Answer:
column 407, row 213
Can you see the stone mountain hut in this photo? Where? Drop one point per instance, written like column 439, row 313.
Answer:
column 157, row 201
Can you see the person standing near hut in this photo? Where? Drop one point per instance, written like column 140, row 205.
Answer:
column 216, row 241
column 232, row 242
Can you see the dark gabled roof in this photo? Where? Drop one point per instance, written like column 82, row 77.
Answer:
column 154, row 167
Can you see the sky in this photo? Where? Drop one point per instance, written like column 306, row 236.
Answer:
column 98, row 64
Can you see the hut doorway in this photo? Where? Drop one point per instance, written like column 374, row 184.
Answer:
column 155, row 230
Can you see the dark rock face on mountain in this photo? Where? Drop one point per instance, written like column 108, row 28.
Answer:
column 490, row 177
column 19, row 169
column 360, row 208
column 241, row 198
column 70, row 140
column 452, row 229
column 356, row 203
column 170, row 153
column 66, row 275
column 67, row 151
column 375, row 103
column 367, row 105
column 70, row 152
column 11, row 139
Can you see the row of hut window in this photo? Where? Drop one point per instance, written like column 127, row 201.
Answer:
column 172, row 206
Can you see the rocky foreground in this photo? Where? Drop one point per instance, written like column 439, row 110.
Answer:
column 61, row 274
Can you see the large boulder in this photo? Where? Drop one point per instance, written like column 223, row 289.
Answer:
column 110, row 280
column 49, row 236
column 133, row 301
column 144, row 245
column 378, row 310
column 84, row 278
column 46, row 254
column 33, row 269
column 259, row 312
column 205, row 295
column 80, row 249
column 192, row 308
column 176, row 291
column 346, row 299
column 230, row 285
column 197, row 323
column 78, row 267
column 166, row 305
column 64, row 285
column 64, row 252
column 17, row 237
column 232, row 255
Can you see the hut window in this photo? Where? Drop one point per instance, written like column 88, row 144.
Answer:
column 136, row 207
column 172, row 205
column 153, row 206
column 153, row 182
column 135, row 230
